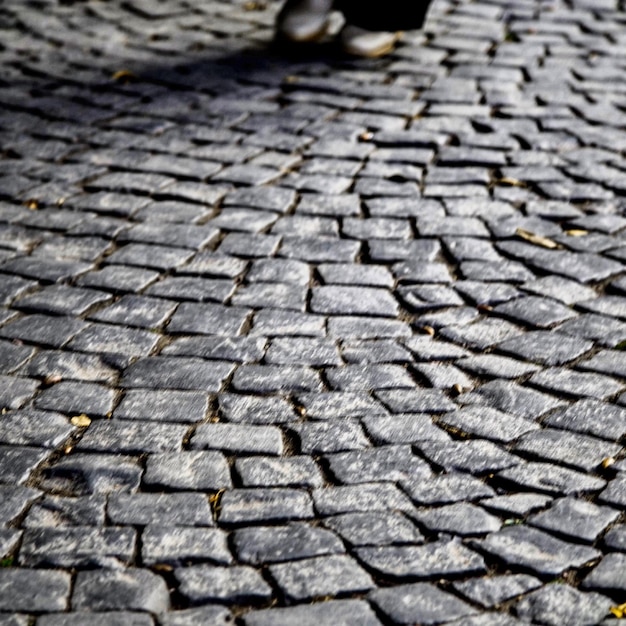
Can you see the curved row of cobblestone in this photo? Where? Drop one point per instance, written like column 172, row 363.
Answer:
column 288, row 337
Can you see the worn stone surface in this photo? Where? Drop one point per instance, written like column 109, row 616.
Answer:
column 303, row 338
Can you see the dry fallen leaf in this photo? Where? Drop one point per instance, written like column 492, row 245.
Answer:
column 254, row 5
column 32, row 205
column 538, row 240
column 608, row 462
column 429, row 330
column 576, row 232
column 124, row 76
column 82, row 421
column 52, row 379
column 366, row 136
column 512, row 182
column 619, row 611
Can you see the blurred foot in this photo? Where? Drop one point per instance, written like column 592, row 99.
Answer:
column 304, row 20
column 367, row 43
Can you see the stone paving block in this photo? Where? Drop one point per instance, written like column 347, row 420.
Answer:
column 615, row 539
column 150, row 256
column 16, row 392
column 354, row 274
column 137, row 311
column 219, row 348
column 214, row 265
column 77, row 397
column 276, row 544
column 534, row 550
column 512, row 398
column 208, row 319
column 319, row 249
column 175, row 545
column 275, row 378
column 358, row 327
column 217, row 615
column 338, row 612
column 579, row 451
column 339, row 404
column 615, row 493
column 35, row 428
column 604, row 331
column 609, row 576
column 82, row 474
column 367, row 377
column 57, row 511
column 277, row 295
column 169, row 509
column 579, row 384
column 398, row 429
column 71, row 366
column 62, row 300
column 187, row 374
column 109, row 339
column 14, row 500
column 131, row 589
column 232, row 585
column 419, row 603
column 163, row 406
column 14, row 619
column 9, row 540
column 13, row 356
column 428, row 562
column 401, row 401
column 128, row 437
column 495, row 366
column 535, row 311
column 303, row 351
column 240, row 506
column 575, row 519
column 360, row 498
column 461, row 518
column 293, row 471
column 198, row 289
column 547, row 348
column 330, row 436
column 35, row 591
column 547, row 478
column 17, row 462
column 119, row 278
column 559, row 604
column 490, row 592
column 240, row 438
column 446, row 488
column 607, row 361
column 320, row 576
column 474, row 456
column 251, row 409
column 189, row 470
column 481, row 334
column 487, row 423
column 77, row 546
column 395, row 463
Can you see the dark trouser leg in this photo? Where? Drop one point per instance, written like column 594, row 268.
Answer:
column 390, row 15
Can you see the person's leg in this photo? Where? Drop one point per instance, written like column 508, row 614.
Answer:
column 390, row 15
column 304, row 20
column 372, row 28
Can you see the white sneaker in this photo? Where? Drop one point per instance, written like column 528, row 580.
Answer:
column 367, row 43
column 304, row 20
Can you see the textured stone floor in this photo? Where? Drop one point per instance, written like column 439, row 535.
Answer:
column 288, row 338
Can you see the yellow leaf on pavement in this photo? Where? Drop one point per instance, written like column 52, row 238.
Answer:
column 81, row 421
column 538, row 240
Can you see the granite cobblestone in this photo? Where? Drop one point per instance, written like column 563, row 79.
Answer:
column 299, row 338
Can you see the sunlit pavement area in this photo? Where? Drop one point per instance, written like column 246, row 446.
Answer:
column 293, row 338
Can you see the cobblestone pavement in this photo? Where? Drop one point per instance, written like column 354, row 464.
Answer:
column 290, row 338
